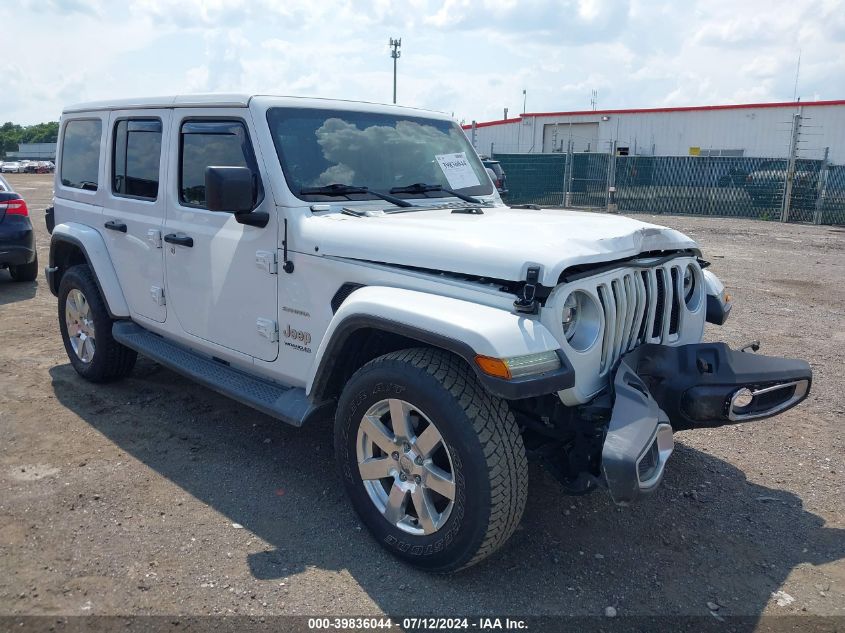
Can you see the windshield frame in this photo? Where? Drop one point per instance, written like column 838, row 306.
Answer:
column 327, row 113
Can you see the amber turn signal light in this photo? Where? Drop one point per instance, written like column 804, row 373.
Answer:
column 493, row 367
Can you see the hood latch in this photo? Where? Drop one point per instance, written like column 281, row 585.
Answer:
column 527, row 303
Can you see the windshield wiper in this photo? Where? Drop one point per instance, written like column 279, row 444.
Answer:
column 347, row 190
column 421, row 187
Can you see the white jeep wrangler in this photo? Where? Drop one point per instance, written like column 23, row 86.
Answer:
column 310, row 257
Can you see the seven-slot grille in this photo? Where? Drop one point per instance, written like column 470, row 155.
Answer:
column 640, row 306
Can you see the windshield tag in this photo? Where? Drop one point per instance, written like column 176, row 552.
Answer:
column 457, row 170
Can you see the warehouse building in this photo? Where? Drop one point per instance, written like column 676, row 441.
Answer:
column 33, row 151
column 746, row 130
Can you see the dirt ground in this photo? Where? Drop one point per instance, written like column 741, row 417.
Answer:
column 157, row 496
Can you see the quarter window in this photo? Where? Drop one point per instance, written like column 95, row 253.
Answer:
column 137, row 156
column 81, row 154
column 211, row 143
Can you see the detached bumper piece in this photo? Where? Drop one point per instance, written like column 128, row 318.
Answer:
column 638, row 441
column 710, row 385
column 660, row 389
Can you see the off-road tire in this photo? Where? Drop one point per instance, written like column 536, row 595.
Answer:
column 25, row 272
column 111, row 360
column 481, row 435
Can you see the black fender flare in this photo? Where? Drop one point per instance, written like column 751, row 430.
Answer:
column 515, row 389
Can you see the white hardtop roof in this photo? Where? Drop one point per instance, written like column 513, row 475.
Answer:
column 243, row 101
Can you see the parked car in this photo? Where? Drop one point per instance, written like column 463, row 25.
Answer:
column 311, row 258
column 501, row 180
column 735, row 177
column 766, row 184
column 12, row 167
column 42, row 167
column 17, row 239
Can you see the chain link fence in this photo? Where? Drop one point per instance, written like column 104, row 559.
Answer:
column 693, row 185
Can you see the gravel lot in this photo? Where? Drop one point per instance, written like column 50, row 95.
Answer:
column 129, row 498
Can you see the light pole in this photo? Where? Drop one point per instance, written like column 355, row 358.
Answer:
column 395, row 53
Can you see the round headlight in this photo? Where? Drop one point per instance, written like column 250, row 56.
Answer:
column 691, row 287
column 569, row 318
column 581, row 320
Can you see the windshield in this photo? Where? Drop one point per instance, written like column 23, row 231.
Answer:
column 380, row 151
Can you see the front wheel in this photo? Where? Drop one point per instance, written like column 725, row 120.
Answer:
column 85, row 325
column 433, row 464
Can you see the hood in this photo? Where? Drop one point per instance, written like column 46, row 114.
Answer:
column 501, row 243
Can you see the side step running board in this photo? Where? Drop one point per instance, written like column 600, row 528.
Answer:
column 289, row 404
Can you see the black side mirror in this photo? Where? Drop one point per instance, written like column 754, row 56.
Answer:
column 229, row 189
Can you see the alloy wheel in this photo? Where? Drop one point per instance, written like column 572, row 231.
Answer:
column 80, row 325
column 405, row 466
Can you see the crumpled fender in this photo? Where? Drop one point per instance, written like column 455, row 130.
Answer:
column 719, row 303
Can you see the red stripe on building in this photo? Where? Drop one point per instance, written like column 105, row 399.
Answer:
column 740, row 106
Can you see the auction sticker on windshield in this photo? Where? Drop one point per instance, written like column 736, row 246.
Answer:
column 457, row 170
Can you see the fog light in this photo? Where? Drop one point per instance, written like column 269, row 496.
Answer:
column 742, row 398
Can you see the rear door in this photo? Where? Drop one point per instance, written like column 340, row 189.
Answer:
column 134, row 207
column 221, row 275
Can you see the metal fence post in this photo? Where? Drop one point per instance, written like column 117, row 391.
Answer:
column 611, row 179
column 790, row 168
column 567, row 197
column 821, row 191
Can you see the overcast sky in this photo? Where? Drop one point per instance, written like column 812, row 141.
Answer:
column 469, row 57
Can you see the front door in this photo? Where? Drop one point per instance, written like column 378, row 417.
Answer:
column 220, row 278
column 133, row 212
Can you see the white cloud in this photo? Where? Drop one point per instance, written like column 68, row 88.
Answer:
column 470, row 57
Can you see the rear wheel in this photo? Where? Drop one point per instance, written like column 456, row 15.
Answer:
column 433, row 464
column 86, row 329
column 25, row 272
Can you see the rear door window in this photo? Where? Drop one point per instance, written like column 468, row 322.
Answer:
column 81, row 154
column 137, row 157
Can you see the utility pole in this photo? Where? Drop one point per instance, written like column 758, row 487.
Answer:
column 521, row 122
column 790, row 166
column 395, row 53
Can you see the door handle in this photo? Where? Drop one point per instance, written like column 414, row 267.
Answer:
column 114, row 225
column 179, row 238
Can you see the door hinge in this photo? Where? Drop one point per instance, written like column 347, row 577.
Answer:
column 267, row 261
column 157, row 293
column 268, row 328
column 154, row 237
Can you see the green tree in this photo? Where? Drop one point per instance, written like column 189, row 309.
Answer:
column 12, row 135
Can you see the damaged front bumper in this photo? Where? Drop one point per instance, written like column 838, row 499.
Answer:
column 659, row 389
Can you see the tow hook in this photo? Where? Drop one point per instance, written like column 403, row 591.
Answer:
column 753, row 346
